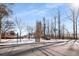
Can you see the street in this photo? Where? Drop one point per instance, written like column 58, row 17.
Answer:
column 40, row 49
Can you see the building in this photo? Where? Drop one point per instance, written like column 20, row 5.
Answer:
column 8, row 35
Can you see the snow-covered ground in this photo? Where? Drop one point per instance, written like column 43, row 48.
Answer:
column 53, row 40
column 15, row 41
column 26, row 40
column 48, row 48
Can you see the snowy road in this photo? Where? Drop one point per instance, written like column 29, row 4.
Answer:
column 24, row 49
column 54, row 48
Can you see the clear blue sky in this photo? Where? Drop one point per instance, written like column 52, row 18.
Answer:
column 31, row 12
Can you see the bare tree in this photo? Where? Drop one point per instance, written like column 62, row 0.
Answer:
column 48, row 28
column 4, row 11
column 44, row 27
column 74, row 17
column 52, row 28
column 7, row 26
column 59, row 34
column 77, row 21
column 63, row 31
column 20, row 26
column 30, row 30
column 55, row 26
column 68, row 33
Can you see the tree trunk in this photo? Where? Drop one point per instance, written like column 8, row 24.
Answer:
column 48, row 29
column 51, row 29
column 20, row 36
column 76, row 28
column 63, row 31
column 55, row 26
column 17, row 38
column 59, row 24
column 0, row 27
column 44, row 27
column 73, row 25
